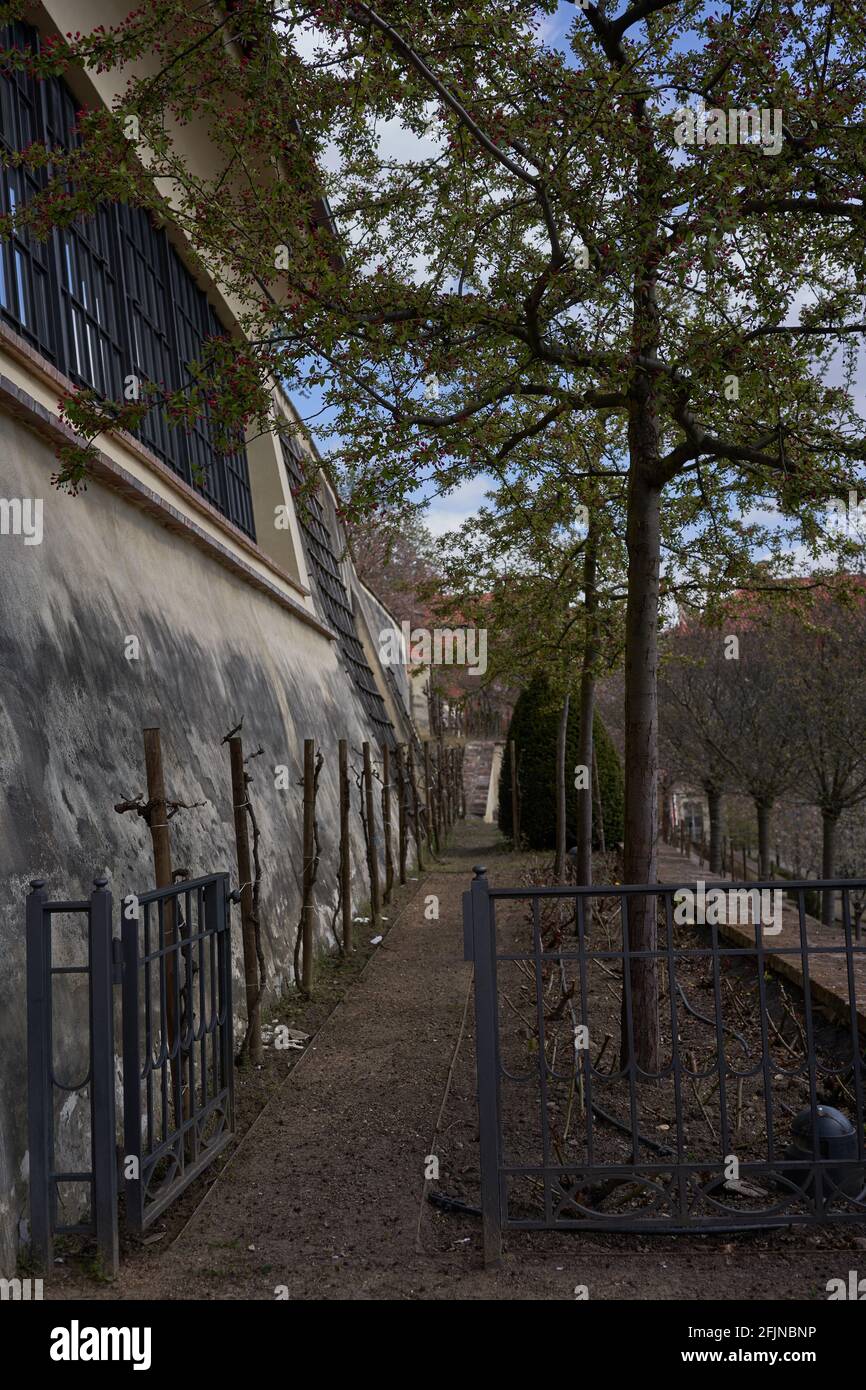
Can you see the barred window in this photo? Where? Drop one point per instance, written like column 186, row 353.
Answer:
column 108, row 298
column 25, row 269
column 325, row 573
column 149, row 318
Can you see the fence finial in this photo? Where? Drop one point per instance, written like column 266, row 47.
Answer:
column 479, row 871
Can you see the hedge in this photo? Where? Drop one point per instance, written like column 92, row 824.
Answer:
column 533, row 728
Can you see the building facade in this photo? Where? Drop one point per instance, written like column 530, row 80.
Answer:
column 182, row 589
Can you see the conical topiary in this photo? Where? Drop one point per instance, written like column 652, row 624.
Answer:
column 533, row 729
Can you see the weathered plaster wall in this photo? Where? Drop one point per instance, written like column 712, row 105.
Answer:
column 72, row 708
column 374, row 619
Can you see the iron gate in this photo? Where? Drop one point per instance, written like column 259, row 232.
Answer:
column 173, row 964
column 178, row 1058
column 754, row 1113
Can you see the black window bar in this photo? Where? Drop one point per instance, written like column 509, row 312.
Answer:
column 325, row 572
column 25, row 263
column 152, row 357
column 107, row 298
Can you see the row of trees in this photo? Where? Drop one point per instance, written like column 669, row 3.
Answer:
column 771, row 703
column 535, row 263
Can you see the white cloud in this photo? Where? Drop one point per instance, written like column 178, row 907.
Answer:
column 448, row 513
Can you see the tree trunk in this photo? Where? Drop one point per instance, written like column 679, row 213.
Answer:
column 599, row 808
column 515, row 795
column 559, row 865
column 666, row 818
column 714, row 799
column 583, row 861
column 763, row 809
column 830, row 820
column 643, row 539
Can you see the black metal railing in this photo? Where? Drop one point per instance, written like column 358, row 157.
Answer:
column 751, row 1115
column 46, row 1082
column 177, row 1041
column 173, row 963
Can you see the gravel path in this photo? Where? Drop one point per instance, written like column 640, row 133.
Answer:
column 323, row 1198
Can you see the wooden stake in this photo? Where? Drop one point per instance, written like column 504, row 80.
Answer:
column 345, row 846
column 440, row 782
column 245, row 880
column 402, row 835
column 309, row 851
column 432, row 833
column 386, row 822
column 437, row 798
column 416, row 806
column 372, row 853
column 161, row 843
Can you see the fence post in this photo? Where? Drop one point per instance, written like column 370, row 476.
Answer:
column 132, row 1083
column 386, row 823
column 102, row 1114
column 432, row 832
column 440, row 783
column 345, row 847
column 245, row 882
column 416, row 806
column 308, row 857
column 218, row 919
column 487, row 1063
column 402, row 829
column 372, row 845
column 39, row 1108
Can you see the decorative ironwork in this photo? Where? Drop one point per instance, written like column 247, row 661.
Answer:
column 569, row 1143
column 108, row 297
column 333, row 595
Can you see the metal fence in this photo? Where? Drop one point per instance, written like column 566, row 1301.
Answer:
column 46, row 1088
column 752, row 1116
column 173, row 964
column 178, row 1086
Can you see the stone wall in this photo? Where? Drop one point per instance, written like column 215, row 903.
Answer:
column 213, row 648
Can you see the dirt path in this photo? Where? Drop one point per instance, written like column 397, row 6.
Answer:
column 323, row 1199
